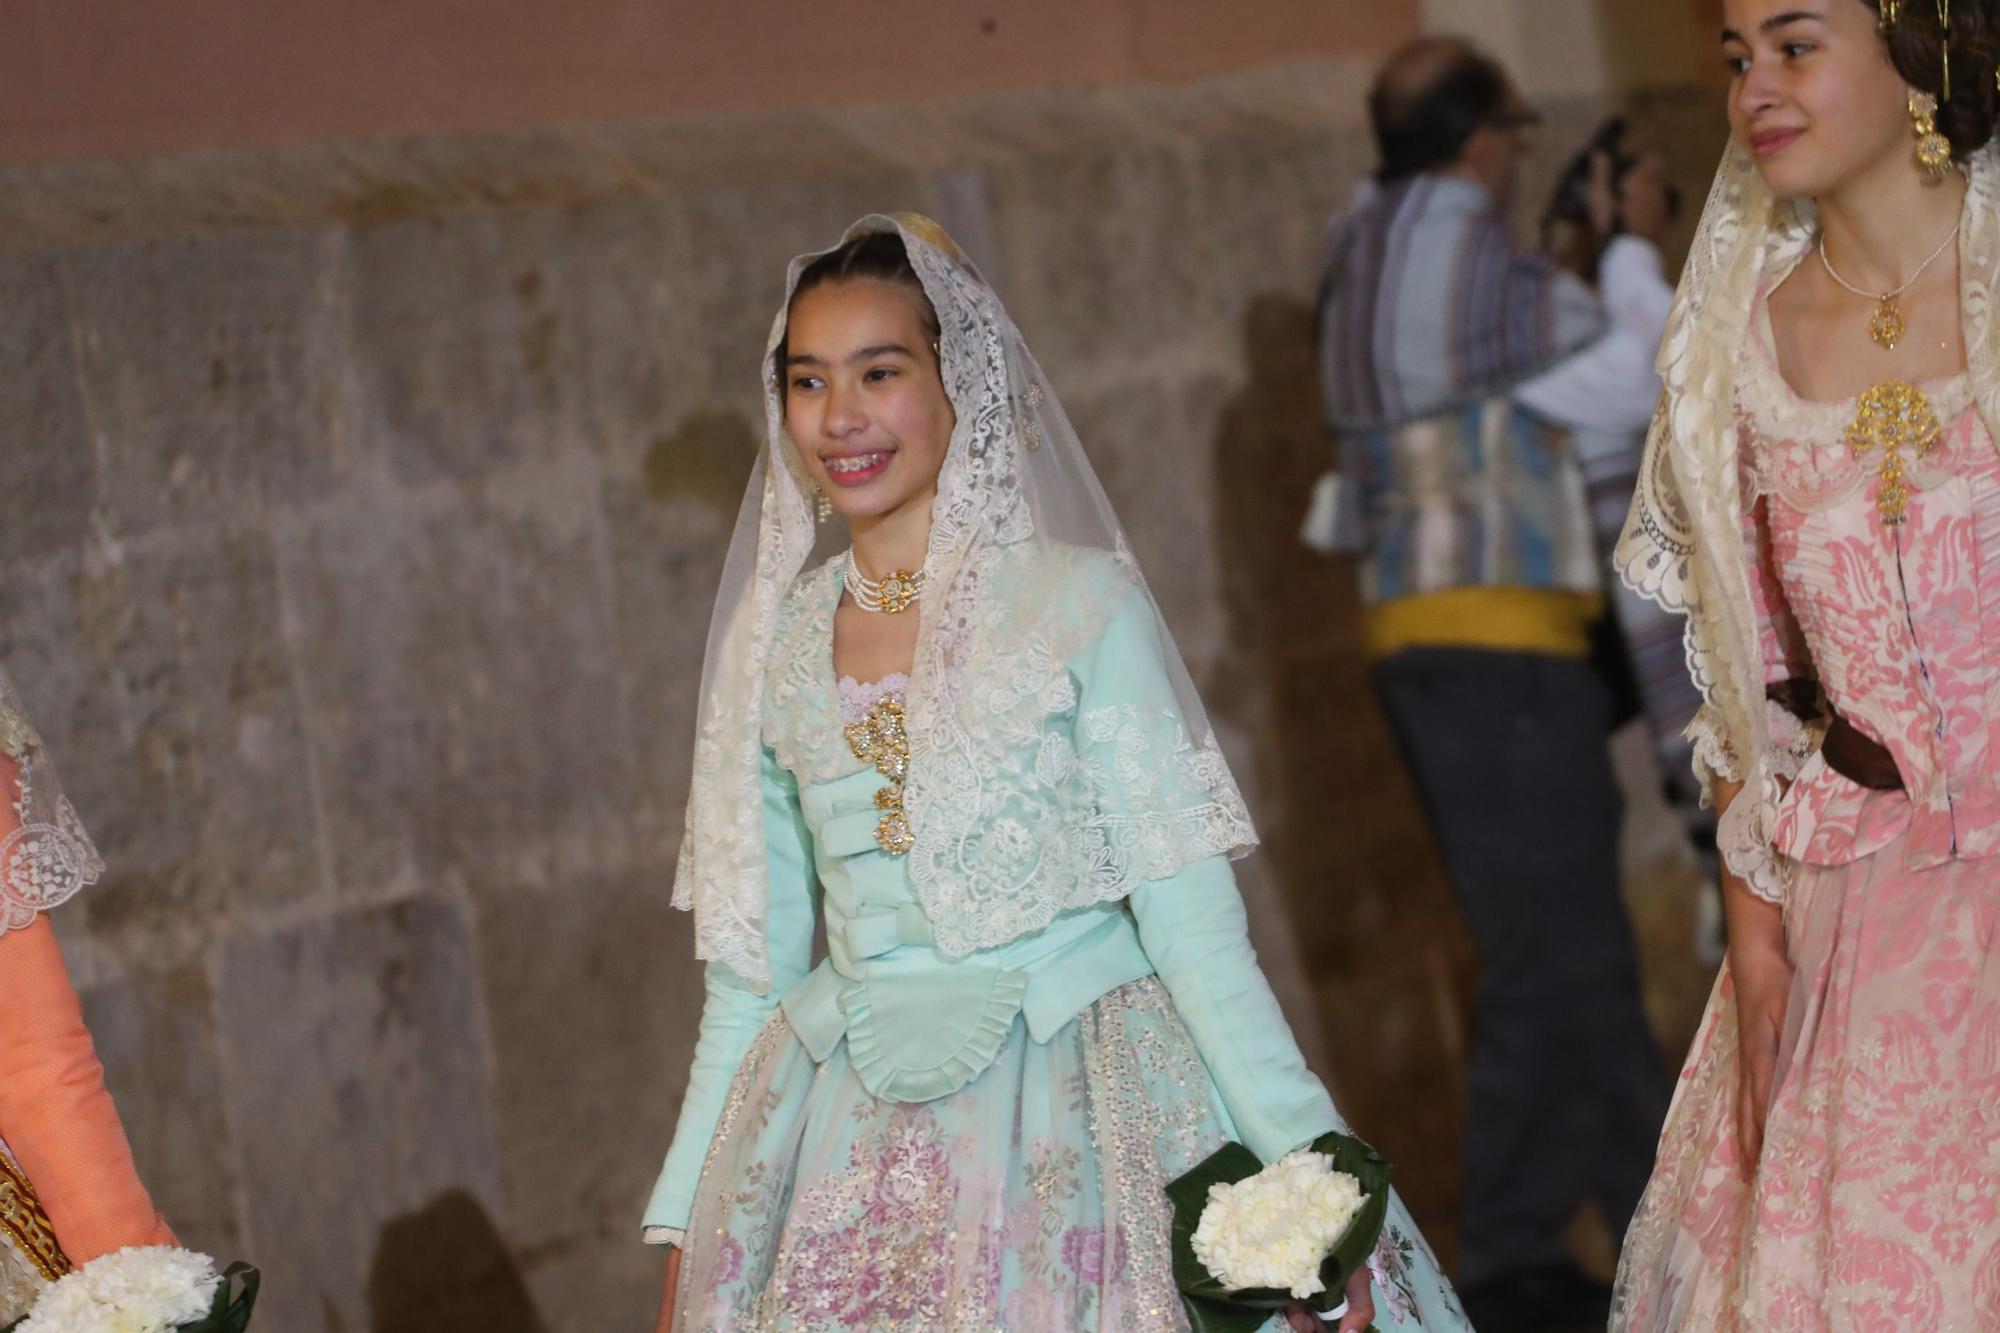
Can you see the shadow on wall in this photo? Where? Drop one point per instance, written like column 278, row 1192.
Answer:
column 445, row 1269
column 707, row 458
column 1389, row 961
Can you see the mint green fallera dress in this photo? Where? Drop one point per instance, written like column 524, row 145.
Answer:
column 898, row 1139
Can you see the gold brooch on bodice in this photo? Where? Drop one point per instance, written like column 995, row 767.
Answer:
column 25, row 1225
column 882, row 739
column 1891, row 418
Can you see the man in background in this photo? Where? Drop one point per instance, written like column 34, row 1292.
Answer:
column 1483, row 582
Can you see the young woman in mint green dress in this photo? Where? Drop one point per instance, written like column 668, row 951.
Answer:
column 968, row 747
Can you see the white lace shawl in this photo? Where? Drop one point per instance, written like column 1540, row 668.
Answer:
column 47, row 857
column 1017, row 505
column 1682, row 546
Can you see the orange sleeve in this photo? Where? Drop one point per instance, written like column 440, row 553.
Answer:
column 55, row 1114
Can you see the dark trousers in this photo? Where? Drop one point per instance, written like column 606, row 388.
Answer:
column 1565, row 1088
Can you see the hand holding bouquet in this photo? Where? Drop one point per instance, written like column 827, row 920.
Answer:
column 1250, row 1239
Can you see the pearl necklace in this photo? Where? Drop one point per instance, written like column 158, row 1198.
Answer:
column 893, row 594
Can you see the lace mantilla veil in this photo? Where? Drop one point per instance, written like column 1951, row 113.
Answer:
column 48, row 857
column 1026, row 563
column 1683, row 546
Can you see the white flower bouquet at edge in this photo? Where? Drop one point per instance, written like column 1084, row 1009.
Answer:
column 145, row 1289
column 1249, row 1239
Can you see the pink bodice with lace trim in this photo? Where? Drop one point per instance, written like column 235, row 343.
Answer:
column 1900, row 623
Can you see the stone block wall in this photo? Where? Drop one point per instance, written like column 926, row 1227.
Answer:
column 361, row 509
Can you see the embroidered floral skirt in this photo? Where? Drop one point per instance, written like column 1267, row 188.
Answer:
column 1874, row 1204
column 1031, row 1199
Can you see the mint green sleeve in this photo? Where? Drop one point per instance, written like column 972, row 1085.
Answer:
column 733, row 1013
column 1194, row 929
column 1192, row 923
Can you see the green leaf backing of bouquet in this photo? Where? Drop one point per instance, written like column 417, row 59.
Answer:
column 1213, row 1308
column 231, row 1311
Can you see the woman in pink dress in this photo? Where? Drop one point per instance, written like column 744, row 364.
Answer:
column 1822, row 499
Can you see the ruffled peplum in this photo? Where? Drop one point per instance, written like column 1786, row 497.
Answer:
column 920, row 1025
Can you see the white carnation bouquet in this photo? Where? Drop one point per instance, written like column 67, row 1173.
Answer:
column 145, row 1289
column 1249, row 1239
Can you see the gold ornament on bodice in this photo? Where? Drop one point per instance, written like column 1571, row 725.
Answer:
column 882, row 739
column 1893, row 417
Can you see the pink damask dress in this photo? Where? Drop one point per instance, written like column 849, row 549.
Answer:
column 1876, row 1202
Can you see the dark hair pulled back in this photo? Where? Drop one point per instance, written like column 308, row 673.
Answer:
column 1917, row 49
column 880, row 255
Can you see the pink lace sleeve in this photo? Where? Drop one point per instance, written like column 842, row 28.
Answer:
column 1744, row 833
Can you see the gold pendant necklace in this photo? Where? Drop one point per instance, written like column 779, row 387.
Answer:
column 1887, row 325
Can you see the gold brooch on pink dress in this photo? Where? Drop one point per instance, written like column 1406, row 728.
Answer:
column 1891, row 418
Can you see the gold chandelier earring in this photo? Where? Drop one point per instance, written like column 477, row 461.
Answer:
column 1933, row 149
column 822, row 506
column 1887, row 19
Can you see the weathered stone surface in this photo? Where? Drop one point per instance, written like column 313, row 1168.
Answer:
column 364, row 1094
column 594, row 994
column 1147, row 438
column 524, row 334
column 666, row 551
column 160, row 676
column 1105, row 259
column 48, row 480
column 213, row 373
column 643, row 361
column 463, row 358
column 155, row 1034
column 594, row 1279
column 458, row 665
column 1265, row 204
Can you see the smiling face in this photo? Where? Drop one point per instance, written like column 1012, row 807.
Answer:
column 863, row 402
column 1813, row 96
